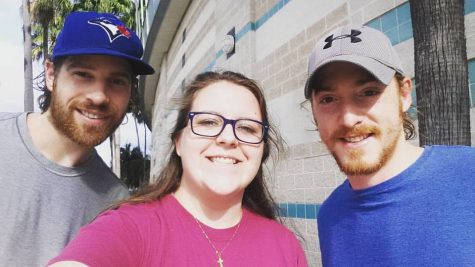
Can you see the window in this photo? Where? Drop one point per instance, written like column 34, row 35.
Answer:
column 396, row 23
column 469, row 6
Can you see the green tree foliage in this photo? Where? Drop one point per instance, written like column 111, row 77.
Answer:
column 124, row 9
column 47, row 20
column 135, row 167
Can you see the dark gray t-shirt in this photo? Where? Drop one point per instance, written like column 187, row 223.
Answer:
column 43, row 204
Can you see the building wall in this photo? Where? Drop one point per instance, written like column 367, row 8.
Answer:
column 273, row 41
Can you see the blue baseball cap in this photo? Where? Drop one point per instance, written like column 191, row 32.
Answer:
column 92, row 33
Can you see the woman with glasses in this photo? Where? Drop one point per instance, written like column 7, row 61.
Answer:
column 210, row 205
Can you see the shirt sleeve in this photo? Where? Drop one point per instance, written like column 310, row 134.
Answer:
column 112, row 239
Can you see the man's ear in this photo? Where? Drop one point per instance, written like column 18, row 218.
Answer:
column 405, row 91
column 49, row 74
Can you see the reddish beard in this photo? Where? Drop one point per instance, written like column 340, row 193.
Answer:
column 354, row 162
column 62, row 117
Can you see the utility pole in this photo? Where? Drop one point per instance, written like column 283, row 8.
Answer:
column 28, row 104
column 116, row 152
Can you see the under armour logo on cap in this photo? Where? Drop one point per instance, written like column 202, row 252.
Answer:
column 353, row 36
column 361, row 45
column 113, row 30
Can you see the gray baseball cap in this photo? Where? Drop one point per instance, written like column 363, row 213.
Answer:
column 357, row 44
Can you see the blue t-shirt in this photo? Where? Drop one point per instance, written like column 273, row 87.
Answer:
column 425, row 216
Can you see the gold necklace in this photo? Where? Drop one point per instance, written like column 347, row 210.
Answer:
column 218, row 253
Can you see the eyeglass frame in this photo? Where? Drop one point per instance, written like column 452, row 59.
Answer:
column 226, row 121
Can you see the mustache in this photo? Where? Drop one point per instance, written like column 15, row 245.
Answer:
column 355, row 131
column 87, row 104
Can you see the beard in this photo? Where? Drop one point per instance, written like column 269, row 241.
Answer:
column 354, row 162
column 62, row 118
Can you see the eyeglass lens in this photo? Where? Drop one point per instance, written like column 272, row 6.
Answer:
column 207, row 124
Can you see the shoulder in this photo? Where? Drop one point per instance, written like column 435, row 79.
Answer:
column 146, row 209
column 138, row 212
column 449, row 155
column 111, row 234
column 97, row 164
column 441, row 150
column 128, row 217
column 337, row 200
column 143, row 212
column 337, row 196
column 5, row 116
column 157, row 217
column 9, row 115
column 270, row 237
column 448, row 167
column 108, row 179
column 13, row 128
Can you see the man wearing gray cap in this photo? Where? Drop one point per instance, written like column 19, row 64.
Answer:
column 52, row 179
column 401, row 205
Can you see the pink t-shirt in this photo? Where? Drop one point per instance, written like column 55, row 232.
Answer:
column 163, row 233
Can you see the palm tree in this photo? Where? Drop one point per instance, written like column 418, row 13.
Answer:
column 139, row 119
column 47, row 17
column 133, row 168
column 124, row 9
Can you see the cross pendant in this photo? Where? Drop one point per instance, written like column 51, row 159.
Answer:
column 220, row 261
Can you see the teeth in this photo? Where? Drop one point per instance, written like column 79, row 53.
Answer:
column 91, row 115
column 355, row 139
column 223, row 160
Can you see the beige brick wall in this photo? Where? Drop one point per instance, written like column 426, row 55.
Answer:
column 285, row 69
column 263, row 6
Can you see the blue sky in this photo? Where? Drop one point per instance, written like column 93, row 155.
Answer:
column 11, row 74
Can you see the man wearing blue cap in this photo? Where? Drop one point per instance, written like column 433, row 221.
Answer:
column 53, row 180
column 401, row 205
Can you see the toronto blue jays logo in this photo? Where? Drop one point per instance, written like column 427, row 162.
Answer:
column 353, row 37
column 113, row 31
